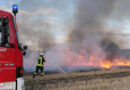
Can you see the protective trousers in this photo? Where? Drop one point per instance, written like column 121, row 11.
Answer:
column 41, row 68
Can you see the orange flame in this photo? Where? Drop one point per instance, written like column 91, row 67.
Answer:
column 92, row 61
column 107, row 64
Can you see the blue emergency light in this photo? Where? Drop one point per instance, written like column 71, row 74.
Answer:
column 15, row 9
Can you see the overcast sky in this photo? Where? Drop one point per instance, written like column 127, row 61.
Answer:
column 58, row 14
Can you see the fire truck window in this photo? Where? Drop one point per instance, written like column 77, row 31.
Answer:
column 4, row 32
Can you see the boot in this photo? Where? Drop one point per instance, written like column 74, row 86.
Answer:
column 42, row 74
column 34, row 75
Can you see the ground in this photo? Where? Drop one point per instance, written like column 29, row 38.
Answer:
column 114, row 79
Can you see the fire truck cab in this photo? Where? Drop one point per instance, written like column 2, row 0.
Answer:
column 11, row 53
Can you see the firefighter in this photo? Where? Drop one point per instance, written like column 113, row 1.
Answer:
column 40, row 65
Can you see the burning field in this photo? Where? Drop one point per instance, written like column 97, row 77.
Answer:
column 95, row 39
column 91, row 42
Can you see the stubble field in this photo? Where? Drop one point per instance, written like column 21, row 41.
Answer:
column 114, row 79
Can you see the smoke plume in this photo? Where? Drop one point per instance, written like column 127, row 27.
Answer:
column 90, row 24
column 36, row 33
column 35, row 28
column 90, row 40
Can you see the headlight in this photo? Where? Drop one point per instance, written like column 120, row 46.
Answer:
column 8, row 86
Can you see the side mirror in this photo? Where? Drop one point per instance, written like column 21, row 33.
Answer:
column 24, row 53
column 24, row 50
column 25, row 47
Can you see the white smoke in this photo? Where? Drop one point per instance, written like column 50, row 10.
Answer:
column 90, row 29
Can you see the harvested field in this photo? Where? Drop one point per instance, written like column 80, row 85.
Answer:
column 115, row 79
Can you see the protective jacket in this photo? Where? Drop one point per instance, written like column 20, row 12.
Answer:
column 40, row 61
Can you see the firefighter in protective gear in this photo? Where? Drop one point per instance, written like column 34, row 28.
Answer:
column 40, row 65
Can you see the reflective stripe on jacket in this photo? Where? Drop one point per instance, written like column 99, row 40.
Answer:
column 39, row 61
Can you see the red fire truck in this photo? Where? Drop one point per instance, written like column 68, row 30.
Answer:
column 11, row 53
